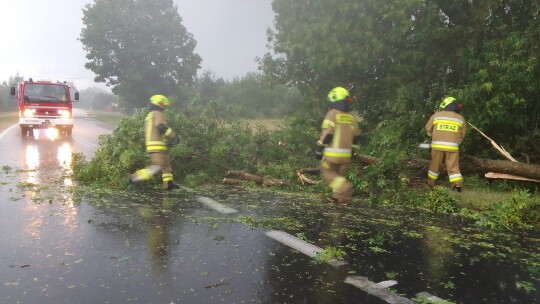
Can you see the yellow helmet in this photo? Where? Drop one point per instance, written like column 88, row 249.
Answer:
column 446, row 101
column 338, row 94
column 160, row 101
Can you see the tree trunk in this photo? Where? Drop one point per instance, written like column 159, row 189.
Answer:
column 245, row 176
column 468, row 165
column 234, row 177
column 483, row 166
column 472, row 165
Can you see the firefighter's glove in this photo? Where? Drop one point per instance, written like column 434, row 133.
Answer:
column 319, row 152
column 176, row 140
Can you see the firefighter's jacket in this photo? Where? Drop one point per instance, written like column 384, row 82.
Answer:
column 447, row 129
column 343, row 127
column 154, row 139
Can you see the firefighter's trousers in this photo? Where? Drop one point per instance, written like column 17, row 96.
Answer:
column 451, row 159
column 334, row 176
column 160, row 162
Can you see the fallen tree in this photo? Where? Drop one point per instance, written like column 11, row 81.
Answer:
column 483, row 166
column 474, row 165
column 493, row 169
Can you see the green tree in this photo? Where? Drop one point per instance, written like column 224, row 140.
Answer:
column 255, row 98
column 399, row 58
column 138, row 47
column 87, row 97
column 96, row 98
column 7, row 102
column 105, row 101
column 4, row 96
column 207, row 86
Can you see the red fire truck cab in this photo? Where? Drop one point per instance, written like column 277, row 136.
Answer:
column 44, row 104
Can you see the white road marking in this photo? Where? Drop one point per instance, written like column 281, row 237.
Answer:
column 300, row 245
column 386, row 284
column 215, row 205
column 377, row 290
column 430, row 297
column 8, row 129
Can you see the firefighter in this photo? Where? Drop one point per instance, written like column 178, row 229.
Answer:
column 334, row 147
column 447, row 129
column 156, row 136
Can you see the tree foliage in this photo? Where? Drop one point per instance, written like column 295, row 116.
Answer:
column 97, row 98
column 250, row 96
column 399, row 58
column 7, row 102
column 255, row 98
column 138, row 47
column 210, row 146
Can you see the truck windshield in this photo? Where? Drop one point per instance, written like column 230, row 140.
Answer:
column 45, row 92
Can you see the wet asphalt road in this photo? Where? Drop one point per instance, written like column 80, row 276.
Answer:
column 59, row 245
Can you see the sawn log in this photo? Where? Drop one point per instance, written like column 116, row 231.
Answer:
column 234, row 177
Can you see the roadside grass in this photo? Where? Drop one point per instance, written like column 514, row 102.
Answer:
column 479, row 194
column 113, row 119
column 480, row 199
column 7, row 119
column 110, row 118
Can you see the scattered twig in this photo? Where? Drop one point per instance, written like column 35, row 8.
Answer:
column 303, row 178
column 221, row 282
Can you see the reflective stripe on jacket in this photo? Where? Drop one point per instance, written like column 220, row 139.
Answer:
column 154, row 140
column 343, row 127
column 447, row 129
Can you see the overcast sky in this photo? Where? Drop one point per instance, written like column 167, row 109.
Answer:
column 38, row 38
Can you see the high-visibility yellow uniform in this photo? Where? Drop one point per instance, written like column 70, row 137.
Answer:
column 156, row 134
column 343, row 128
column 447, row 129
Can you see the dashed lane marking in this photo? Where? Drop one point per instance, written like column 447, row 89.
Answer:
column 377, row 289
column 300, row 245
column 430, row 297
column 215, row 205
column 380, row 290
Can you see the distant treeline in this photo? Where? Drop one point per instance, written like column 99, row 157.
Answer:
column 7, row 103
column 247, row 97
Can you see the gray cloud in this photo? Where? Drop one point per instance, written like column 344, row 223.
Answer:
column 43, row 44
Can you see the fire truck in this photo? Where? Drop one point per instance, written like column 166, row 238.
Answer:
column 44, row 104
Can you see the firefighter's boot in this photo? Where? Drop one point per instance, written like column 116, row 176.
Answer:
column 171, row 186
column 133, row 184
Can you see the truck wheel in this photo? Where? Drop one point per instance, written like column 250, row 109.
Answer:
column 24, row 131
column 68, row 132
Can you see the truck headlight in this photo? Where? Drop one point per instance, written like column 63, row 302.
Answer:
column 64, row 113
column 29, row 112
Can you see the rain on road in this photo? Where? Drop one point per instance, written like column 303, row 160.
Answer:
column 60, row 245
